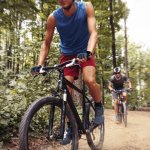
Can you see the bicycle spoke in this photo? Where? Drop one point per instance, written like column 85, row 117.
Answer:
column 95, row 135
column 34, row 129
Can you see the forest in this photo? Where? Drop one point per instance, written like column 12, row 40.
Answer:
column 22, row 29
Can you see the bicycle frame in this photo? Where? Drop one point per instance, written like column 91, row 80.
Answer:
column 122, row 106
column 59, row 109
column 67, row 99
column 120, row 98
column 81, row 123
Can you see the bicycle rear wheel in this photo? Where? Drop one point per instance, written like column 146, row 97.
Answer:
column 124, row 117
column 95, row 133
column 34, row 131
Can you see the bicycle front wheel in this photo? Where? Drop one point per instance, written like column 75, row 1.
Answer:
column 124, row 117
column 95, row 133
column 120, row 112
column 37, row 132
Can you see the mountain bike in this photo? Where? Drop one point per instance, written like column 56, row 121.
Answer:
column 122, row 106
column 45, row 121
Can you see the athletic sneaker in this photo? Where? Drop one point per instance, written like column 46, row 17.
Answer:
column 67, row 137
column 99, row 115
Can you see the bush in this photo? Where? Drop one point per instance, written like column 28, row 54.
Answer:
column 17, row 93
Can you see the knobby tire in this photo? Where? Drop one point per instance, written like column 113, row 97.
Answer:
column 32, row 110
column 124, row 114
column 95, row 136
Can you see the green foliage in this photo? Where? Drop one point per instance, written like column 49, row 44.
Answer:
column 139, row 74
column 11, row 100
column 17, row 93
column 22, row 27
column 21, row 35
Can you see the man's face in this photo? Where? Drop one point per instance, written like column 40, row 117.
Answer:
column 65, row 4
column 117, row 75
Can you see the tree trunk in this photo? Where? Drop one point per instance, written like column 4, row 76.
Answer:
column 126, row 49
column 113, row 33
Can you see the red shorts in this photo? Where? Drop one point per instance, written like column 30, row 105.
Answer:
column 74, row 71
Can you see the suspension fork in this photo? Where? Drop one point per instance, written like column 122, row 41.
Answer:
column 120, row 104
column 62, row 119
column 63, row 114
column 63, row 87
column 63, row 110
column 84, row 115
column 51, row 119
column 124, row 107
column 123, row 102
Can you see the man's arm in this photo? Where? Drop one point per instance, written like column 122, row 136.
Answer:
column 129, row 84
column 110, row 86
column 91, row 27
column 50, row 26
column 127, row 80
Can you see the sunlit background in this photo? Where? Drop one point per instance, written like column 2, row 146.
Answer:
column 138, row 22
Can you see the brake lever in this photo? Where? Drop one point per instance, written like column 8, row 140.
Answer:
column 42, row 71
column 72, row 63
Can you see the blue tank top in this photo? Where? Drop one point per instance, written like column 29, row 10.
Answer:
column 73, row 30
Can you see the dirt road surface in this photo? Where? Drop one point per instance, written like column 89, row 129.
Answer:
column 136, row 136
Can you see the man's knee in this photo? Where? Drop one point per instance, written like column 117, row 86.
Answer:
column 91, row 82
column 115, row 101
column 124, row 94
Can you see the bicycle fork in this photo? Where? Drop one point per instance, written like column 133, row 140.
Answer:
column 59, row 135
column 124, row 107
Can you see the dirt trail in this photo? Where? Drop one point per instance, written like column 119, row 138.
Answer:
column 136, row 136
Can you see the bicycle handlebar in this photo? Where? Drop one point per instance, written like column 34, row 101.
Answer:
column 66, row 64
column 122, row 90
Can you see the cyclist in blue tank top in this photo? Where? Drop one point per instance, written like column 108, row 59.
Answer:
column 76, row 25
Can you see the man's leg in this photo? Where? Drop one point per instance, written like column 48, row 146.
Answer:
column 94, row 89
column 115, row 97
column 117, row 119
column 116, row 106
column 71, row 79
column 124, row 94
column 70, row 74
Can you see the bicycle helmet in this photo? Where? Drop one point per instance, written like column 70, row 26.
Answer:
column 117, row 70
